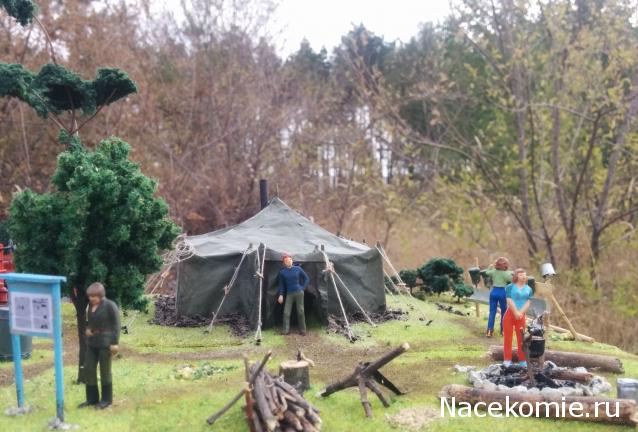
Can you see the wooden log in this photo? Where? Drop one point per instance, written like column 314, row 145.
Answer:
column 303, row 404
column 282, row 400
column 263, row 406
column 619, row 411
column 385, row 359
column 250, row 415
column 293, row 420
column 364, row 397
column 299, row 411
column 257, row 422
column 569, row 359
column 314, row 419
column 581, row 377
column 366, row 370
column 213, row 418
column 308, row 426
column 296, row 373
column 377, row 391
column 296, row 398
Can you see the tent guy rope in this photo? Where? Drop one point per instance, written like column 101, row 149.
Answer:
column 261, row 263
column 228, row 287
column 330, row 270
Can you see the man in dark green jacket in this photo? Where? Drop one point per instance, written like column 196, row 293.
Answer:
column 102, row 338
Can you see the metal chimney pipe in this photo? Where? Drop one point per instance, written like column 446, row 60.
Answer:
column 263, row 193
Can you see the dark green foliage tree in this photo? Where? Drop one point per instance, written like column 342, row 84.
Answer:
column 21, row 10
column 409, row 276
column 101, row 223
column 443, row 274
column 55, row 90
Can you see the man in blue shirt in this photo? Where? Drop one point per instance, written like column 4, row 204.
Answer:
column 292, row 282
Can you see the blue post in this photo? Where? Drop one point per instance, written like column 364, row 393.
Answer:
column 17, row 364
column 41, row 294
column 57, row 342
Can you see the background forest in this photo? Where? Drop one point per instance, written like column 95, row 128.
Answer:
column 508, row 129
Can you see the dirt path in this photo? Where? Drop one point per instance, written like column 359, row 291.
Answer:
column 331, row 359
column 70, row 356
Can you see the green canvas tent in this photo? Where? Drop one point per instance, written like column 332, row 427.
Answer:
column 203, row 277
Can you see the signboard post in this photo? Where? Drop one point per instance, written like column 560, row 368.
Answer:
column 35, row 310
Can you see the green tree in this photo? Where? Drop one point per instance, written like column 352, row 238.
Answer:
column 409, row 276
column 102, row 221
column 440, row 275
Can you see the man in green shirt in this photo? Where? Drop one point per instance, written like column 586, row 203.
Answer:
column 102, row 338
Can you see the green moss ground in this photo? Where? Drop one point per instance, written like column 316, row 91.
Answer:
column 148, row 398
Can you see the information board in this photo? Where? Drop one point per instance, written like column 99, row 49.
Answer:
column 31, row 313
column 35, row 309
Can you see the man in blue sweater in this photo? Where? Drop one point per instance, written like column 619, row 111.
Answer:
column 292, row 282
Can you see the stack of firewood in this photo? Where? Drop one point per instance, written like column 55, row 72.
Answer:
column 274, row 405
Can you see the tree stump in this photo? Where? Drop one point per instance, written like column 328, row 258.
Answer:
column 296, row 373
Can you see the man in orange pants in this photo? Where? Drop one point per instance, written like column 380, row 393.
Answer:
column 518, row 295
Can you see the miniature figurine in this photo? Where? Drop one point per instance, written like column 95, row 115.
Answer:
column 500, row 277
column 518, row 295
column 102, row 338
column 292, row 282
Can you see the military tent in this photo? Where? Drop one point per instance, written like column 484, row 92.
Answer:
column 203, row 277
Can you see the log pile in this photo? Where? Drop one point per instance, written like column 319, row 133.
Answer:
column 277, row 406
column 569, row 359
column 366, row 376
column 271, row 404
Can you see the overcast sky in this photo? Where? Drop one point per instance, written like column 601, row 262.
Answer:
column 323, row 22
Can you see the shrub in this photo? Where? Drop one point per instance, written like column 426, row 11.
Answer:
column 443, row 274
column 409, row 276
